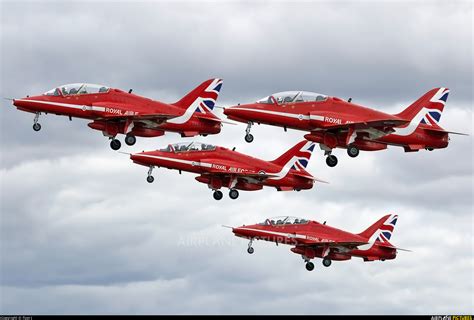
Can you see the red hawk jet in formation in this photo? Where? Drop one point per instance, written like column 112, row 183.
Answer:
column 220, row 167
column 334, row 123
column 114, row 111
column 312, row 239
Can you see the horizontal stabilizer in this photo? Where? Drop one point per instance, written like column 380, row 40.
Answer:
column 440, row 130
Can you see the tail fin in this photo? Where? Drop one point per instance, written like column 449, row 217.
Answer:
column 382, row 230
column 204, row 96
column 427, row 109
column 297, row 157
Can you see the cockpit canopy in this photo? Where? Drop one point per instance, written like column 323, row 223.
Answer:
column 283, row 220
column 293, row 97
column 77, row 88
column 189, row 146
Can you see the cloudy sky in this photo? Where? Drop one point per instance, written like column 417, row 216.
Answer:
column 81, row 231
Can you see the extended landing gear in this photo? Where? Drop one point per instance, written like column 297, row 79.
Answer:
column 36, row 125
column 233, row 194
column 130, row 139
column 250, row 249
column 331, row 160
column 115, row 144
column 150, row 178
column 218, row 195
column 327, row 262
column 352, row 151
column 309, row 266
column 248, row 135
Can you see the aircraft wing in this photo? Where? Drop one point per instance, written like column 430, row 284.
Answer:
column 308, row 177
column 214, row 119
column 361, row 125
column 124, row 111
column 232, row 168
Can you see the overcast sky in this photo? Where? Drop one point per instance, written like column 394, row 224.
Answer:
column 81, row 231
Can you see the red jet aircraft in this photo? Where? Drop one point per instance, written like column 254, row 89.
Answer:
column 334, row 123
column 220, row 167
column 114, row 111
column 312, row 239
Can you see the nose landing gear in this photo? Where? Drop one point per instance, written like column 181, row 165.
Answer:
column 36, row 125
column 248, row 135
column 149, row 177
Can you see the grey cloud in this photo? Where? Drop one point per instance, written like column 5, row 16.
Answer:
column 82, row 231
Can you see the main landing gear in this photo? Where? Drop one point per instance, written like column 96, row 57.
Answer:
column 36, row 125
column 250, row 249
column 327, row 262
column 352, row 151
column 233, row 194
column 217, row 194
column 248, row 135
column 331, row 160
column 130, row 139
column 149, row 177
column 115, row 144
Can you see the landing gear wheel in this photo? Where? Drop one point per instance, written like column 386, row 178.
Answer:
column 150, row 179
column 249, row 138
column 309, row 266
column 233, row 194
column 250, row 250
column 352, row 151
column 331, row 160
column 430, row 149
column 217, row 195
column 130, row 140
column 327, row 262
column 115, row 144
column 37, row 127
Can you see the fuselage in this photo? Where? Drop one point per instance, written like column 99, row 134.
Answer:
column 313, row 239
column 104, row 107
column 326, row 120
column 220, row 167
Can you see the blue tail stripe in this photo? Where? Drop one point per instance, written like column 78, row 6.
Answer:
column 435, row 115
column 218, row 87
column 444, row 97
column 303, row 162
column 387, row 235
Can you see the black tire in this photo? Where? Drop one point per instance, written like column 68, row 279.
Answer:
column 218, row 195
column 36, row 127
column 249, row 138
column 130, row 140
column 430, row 149
column 150, row 179
column 115, row 144
column 331, row 160
column 352, row 151
column 309, row 266
column 233, row 194
column 327, row 262
column 250, row 250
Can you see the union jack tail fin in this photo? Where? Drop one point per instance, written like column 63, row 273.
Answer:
column 297, row 157
column 382, row 230
column 427, row 109
column 203, row 98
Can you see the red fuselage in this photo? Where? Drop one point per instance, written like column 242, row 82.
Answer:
column 313, row 239
column 105, row 108
column 328, row 121
column 222, row 167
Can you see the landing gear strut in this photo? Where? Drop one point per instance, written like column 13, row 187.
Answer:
column 115, row 144
column 36, row 125
column 248, row 135
column 352, row 151
column 217, row 195
column 250, row 250
column 327, row 262
column 233, row 194
column 150, row 178
column 130, row 139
